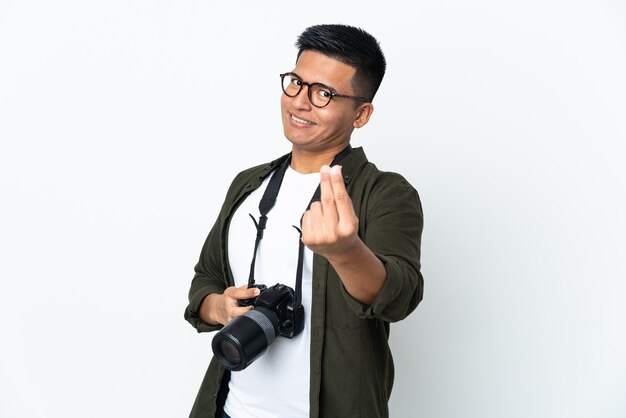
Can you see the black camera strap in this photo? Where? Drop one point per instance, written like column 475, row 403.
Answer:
column 265, row 206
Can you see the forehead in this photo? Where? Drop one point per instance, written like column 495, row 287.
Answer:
column 315, row 67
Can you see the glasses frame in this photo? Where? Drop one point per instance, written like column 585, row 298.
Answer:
column 310, row 85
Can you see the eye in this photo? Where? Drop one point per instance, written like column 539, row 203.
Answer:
column 324, row 93
column 296, row 82
column 321, row 91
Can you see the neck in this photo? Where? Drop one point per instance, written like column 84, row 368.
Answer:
column 306, row 162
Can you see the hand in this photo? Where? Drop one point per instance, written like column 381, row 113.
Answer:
column 330, row 227
column 222, row 308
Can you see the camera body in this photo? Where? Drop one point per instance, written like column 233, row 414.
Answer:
column 246, row 337
column 281, row 300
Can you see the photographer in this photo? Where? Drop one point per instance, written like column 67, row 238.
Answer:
column 357, row 271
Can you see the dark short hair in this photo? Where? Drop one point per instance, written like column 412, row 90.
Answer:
column 352, row 46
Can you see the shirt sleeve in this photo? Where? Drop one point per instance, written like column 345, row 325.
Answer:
column 210, row 271
column 209, row 278
column 212, row 275
column 392, row 229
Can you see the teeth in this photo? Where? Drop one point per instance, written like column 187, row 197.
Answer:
column 306, row 122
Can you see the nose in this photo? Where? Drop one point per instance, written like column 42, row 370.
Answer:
column 301, row 101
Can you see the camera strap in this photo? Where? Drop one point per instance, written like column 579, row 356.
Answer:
column 265, row 206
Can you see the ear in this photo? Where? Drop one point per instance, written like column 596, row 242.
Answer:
column 363, row 114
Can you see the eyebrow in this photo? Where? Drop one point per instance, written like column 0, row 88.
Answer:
column 332, row 89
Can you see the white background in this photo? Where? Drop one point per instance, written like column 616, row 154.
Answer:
column 119, row 123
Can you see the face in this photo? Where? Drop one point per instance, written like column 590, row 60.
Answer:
column 322, row 130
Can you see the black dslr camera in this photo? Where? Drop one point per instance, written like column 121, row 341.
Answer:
column 246, row 337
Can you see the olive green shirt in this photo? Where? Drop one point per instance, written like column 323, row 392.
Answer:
column 351, row 370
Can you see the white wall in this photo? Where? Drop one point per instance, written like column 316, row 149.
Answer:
column 117, row 123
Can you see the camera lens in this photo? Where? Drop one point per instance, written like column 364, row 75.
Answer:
column 229, row 351
column 245, row 338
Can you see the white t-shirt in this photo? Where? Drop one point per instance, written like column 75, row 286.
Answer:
column 275, row 385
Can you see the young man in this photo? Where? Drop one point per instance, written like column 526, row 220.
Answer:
column 360, row 267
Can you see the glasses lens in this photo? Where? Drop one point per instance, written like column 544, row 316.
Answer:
column 319, row 95
column 291, row 85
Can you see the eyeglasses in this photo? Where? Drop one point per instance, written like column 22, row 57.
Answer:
column 319, row 94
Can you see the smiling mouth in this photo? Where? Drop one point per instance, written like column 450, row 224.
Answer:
column 300, row 121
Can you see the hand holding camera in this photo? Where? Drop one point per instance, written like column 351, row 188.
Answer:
column 275, row 312
column 222, row 308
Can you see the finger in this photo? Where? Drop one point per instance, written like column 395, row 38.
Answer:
column 315, row 209
column 305, row 222
column 320, row 220
column 241, row 292
column 245, row 292
column 307, row 226
column 341, row 199
column 327, row 195
column 238, row 311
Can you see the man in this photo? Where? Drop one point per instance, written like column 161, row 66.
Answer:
column 360, row 268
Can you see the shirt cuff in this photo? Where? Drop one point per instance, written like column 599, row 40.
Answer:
column 388, row 295
column 192, row 312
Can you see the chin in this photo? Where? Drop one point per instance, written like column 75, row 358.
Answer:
column 296, row 139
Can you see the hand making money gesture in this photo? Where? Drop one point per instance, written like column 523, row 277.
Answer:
column 330, row 229
column 330, row 226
